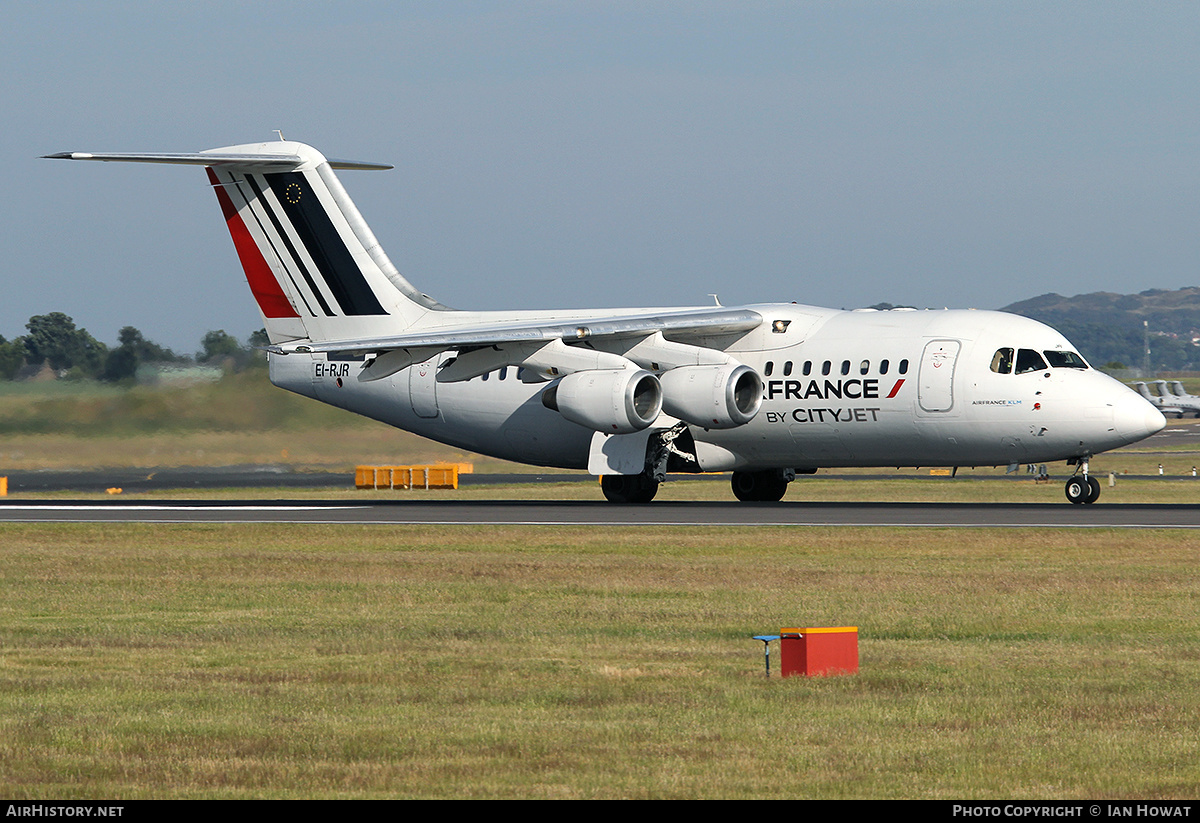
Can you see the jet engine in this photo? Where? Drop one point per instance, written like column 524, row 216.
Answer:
column 616, row 401
column 713, row 397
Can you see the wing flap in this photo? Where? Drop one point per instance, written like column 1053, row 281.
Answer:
column 708, row 322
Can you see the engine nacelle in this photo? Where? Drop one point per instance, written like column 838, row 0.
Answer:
column 619, row 401
column 713, row 397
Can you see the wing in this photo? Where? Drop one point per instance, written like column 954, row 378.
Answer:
column 698, row 322
column 549, row 347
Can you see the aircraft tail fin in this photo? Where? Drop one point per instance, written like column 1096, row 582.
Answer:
column 1144, row 390
column 314, row 266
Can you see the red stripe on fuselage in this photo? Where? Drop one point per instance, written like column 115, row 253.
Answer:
column 263, row 285
column 895, row 388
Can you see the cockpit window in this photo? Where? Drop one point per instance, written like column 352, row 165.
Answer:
column 1065, row 359
column 1028, row 360
column 1002, row 361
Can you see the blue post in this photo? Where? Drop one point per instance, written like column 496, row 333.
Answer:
column 766, row 640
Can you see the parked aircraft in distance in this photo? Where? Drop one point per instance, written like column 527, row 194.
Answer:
column 1178, row 395
column 1177, row 389
column 1167, row 402
column 766, row 391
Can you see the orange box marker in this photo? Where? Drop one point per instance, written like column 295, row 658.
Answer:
column 818, row 651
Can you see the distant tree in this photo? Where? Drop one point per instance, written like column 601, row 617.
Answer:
column 54, row 339
column 258, row 340
column 217, row 345
column 130, row 337
column 122, row 362
column 1114, row 365
column 12, row 356
column 147, row 350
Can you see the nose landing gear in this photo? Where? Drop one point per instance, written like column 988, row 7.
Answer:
column 1082, row 488
column 628, row 488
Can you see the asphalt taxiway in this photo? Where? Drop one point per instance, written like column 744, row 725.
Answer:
column 559, row 513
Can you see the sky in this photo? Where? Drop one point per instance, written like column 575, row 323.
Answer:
column 611, row 154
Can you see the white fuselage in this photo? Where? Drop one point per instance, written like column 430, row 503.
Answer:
column 861, row 388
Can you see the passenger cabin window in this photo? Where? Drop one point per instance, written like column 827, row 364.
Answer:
column 504, row 373
column 845, row 367
column 1065, row 360
column 1028, row 360
column 883, row 366
column 825, row 367
column 787, row 369
column 770, row 367
column 903, row 367
column 807, row 368
column 1002, row 361
column 864, row 367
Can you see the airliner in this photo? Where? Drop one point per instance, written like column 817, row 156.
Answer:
column 764, row 391
column 1174, row 401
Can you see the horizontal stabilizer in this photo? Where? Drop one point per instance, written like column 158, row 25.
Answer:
column 264, row 160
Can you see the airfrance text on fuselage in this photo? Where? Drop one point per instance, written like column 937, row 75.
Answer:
column 853, row 389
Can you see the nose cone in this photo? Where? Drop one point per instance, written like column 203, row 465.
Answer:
column 1135, row 418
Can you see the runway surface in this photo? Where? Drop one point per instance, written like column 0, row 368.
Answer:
column 557, row 513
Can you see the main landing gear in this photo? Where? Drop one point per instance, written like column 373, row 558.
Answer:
column 1082, row 488
column 762, row 487
column 749, row 487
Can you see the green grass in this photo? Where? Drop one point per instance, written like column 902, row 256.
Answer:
column 345, row 661
column 241, row 419
column 298, row 661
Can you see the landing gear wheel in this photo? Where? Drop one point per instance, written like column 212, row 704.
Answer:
column 1078, row 489
column 628, row 488
column 1093, row 491
column 759, row 487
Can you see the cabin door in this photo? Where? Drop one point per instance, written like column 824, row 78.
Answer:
column 935, row 383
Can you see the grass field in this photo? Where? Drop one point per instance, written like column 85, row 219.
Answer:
column 372, row 661
column 241, row 419
column 316, row 661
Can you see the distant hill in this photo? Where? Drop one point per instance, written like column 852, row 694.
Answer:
column 1107, row 327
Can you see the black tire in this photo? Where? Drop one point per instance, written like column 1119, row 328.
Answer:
column 628, row 488
column 1093, row 491
column 759, row 487
column 742, row 484
column 1077, row 490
